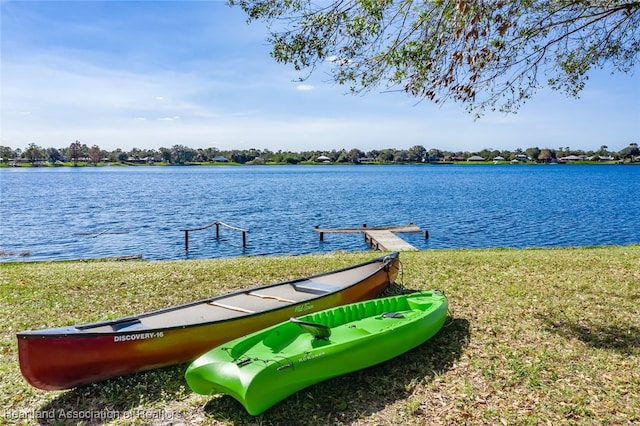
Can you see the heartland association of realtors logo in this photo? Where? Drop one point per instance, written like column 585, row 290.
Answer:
column 62, row 414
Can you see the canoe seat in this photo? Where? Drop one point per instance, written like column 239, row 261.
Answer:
column 231, row 307
column 131, row 324
column 269, row 296
column 318, row 331
column 314, row 287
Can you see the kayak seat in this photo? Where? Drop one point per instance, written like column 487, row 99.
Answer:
column 356, row 312
column 318, row 331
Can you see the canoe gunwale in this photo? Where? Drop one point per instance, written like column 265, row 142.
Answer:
column 80, row 331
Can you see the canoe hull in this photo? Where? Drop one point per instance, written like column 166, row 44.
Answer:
column 265, row 367
column 65, row 357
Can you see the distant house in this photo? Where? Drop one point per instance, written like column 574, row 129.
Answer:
column 366, row 160
column 151, row 160
column 573, row 158
column 522, row 157
column 498, row 158
column 475, row 158
column 130, row 159
column 220, row 159
column 323, row 159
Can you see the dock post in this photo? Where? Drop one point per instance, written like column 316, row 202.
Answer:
column 426, row 234
column 321, row 233
column 217, row 224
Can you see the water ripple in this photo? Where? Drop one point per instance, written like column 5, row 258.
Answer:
column 67, row 213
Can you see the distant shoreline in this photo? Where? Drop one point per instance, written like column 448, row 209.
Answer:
column 310, row 163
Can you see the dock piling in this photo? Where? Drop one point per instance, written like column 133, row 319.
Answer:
column 217, row 225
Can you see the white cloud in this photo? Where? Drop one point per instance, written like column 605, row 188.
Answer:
column 216, row 92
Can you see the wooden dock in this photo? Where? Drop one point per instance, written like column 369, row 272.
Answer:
column 386, row 241
column 382, row 238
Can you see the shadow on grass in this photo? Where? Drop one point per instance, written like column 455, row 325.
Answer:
column 625, row 340
column 348, row 398
column 139, row 398
column 119, row 398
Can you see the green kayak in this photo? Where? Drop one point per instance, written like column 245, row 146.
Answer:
column 263, row 368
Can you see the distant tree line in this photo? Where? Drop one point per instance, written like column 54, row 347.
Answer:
column 78, row 152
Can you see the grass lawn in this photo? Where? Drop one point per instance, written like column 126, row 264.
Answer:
column 538, row 336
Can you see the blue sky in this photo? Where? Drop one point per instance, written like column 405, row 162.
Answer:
column 151, row 74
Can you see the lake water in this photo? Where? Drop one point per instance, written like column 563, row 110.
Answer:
column 89, row 212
